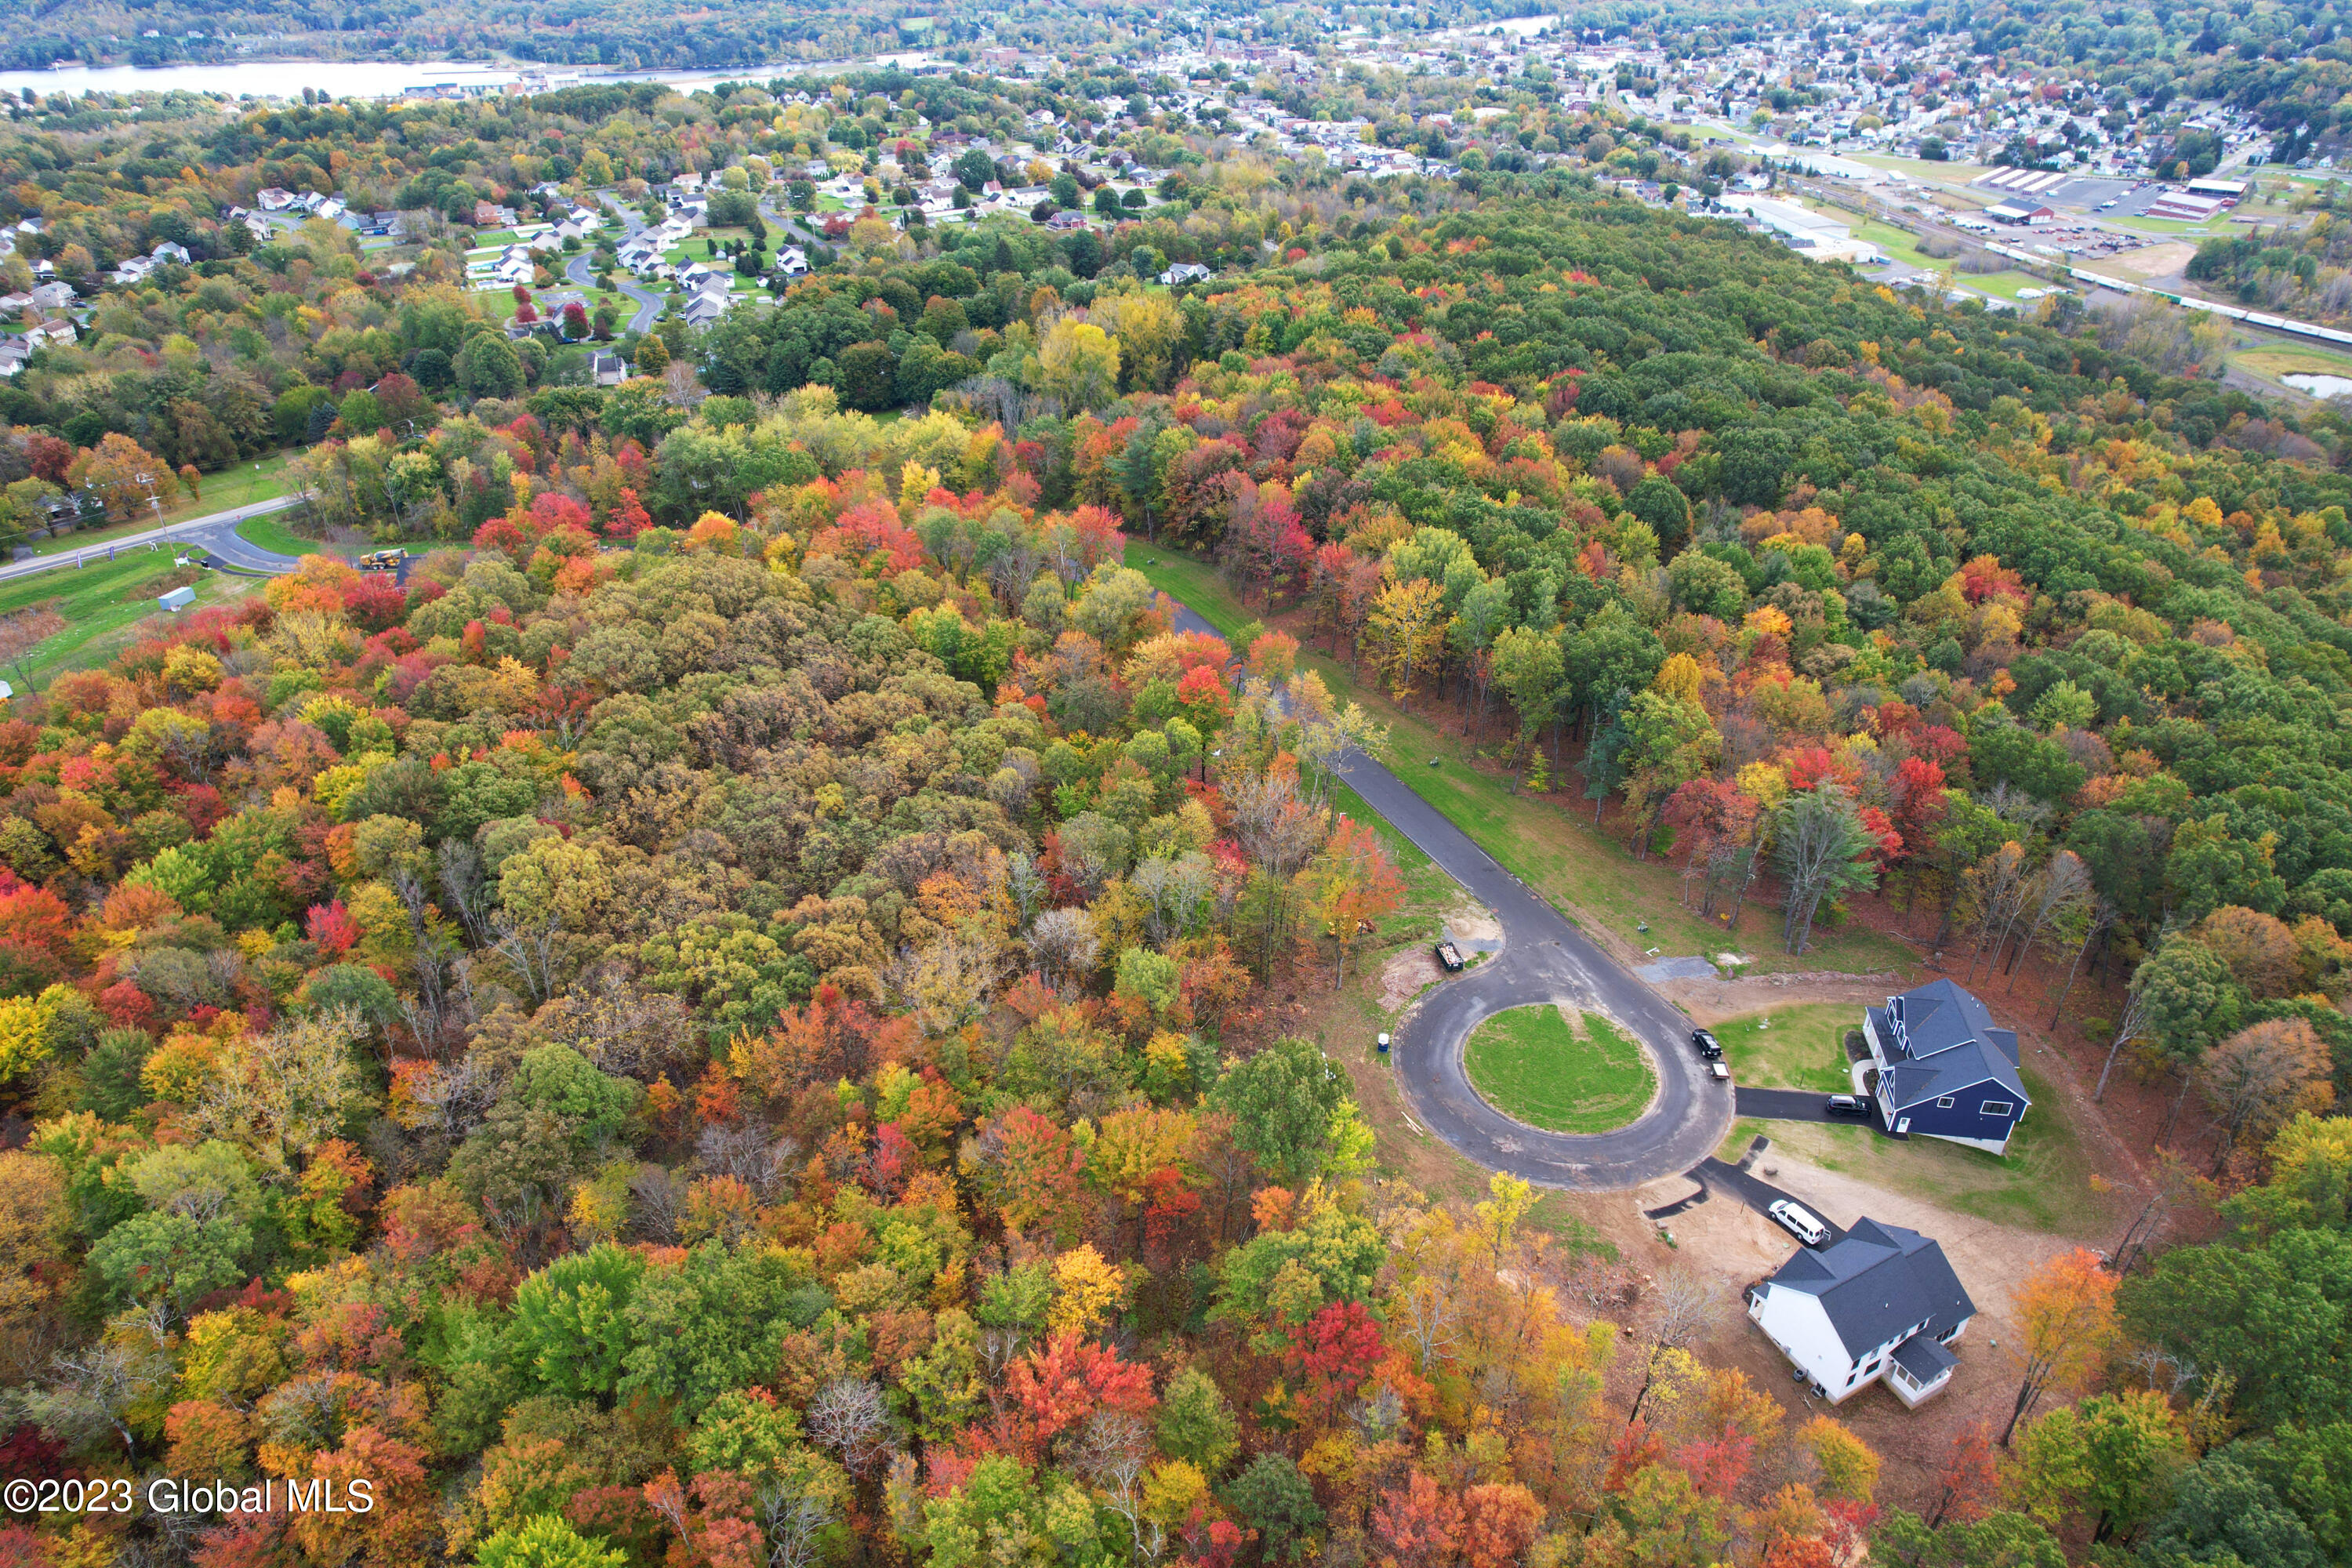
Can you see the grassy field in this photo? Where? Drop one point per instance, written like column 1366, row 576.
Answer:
column 2043, row 1183
column 1548, row 841
column 269, row 532
column 103, row 606
column 260, row 479
column 1562, row 1071
column 1790, row 1047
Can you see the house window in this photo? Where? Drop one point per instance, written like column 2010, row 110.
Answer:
column 1871, row 1368
column 1943, row 1102
column 1995, row 1108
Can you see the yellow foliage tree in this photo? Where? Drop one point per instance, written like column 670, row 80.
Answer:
column 1085, row 1292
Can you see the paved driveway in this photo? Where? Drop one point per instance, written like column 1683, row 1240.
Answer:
column 1544, row 958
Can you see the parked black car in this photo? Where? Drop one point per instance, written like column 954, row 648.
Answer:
column 1708, row 1045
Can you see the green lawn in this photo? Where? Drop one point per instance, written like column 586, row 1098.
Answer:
column 1562, row 1071
column 247, row 483
column 1792, row 1047
column 1549, row 842
column 269, row 531
column 103, row 606
column 2043, row 1183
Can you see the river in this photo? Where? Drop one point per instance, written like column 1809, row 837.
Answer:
column 386, row 78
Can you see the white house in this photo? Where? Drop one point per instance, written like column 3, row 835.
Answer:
column 793, row 261
column 1184, row 272
column 167, row 250
column 276, row 199
column 608, row 368
column 55, row 296
column 1880, row 1304
column 55, row 333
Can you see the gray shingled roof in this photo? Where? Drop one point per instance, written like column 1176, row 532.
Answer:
column 1950, row 1043
column 1878, row 1281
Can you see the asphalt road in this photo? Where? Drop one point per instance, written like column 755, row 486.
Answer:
column 649, row 304
column 217, row 533
column 1544, row 958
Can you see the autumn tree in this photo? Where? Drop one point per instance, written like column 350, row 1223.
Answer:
column 2066, row 1315
column 1355, row 886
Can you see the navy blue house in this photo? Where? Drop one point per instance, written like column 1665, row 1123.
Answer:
column 1945, row 1069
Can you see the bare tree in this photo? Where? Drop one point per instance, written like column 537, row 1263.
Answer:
column 2058, row 901
column 529, row 948
column 1112, row 1450
column 1063, row 944
column 467, row 887
column 2132, row 1025
column 1674, row 1310
column 2175, row 1188
column 1994, row 892
column 848, row 1416
column 794, row 1517
column 1279, row 831
column 658, row 1202
column 1430, row 1320
column 92, row 1392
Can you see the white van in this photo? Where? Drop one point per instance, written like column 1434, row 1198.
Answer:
column 1799, row 1223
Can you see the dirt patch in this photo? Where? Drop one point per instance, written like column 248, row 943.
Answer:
column 2154, row 261
column 1471, row 920
column 1713, row 1001
column 1404, row 976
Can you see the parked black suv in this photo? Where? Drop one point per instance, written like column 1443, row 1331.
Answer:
column 1709, row 1046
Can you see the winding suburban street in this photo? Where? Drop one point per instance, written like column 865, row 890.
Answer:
column 649, row 304
column 1544, row 958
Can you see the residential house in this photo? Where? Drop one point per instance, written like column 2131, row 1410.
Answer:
column 608, row 368
column 134, row 269
column 1184, row 272
column 168, row 250
column 276, row 199
column 489, row 215
column 1881, row 1303
column 384, row 222
column 55, row 296
column 1944, row 1068
column 55, row 333
column 792, row 261
column 13, row 304
column 1065, row 220
column 14, row 353
column 31, row 226
column 586, row 217
column 704, row 307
